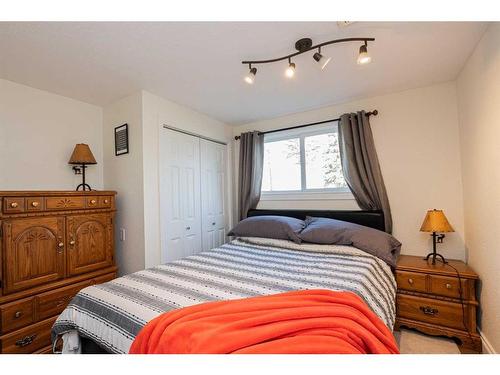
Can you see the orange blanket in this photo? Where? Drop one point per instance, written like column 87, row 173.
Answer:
column 307, row 321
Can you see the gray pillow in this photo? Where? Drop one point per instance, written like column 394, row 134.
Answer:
column 279, row 227
column 373, row 241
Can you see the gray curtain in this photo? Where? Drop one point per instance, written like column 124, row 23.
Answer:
column 250, row 172
column 360, row 165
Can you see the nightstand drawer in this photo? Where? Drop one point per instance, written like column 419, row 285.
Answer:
column 413, row 281
column 442, row 313
column 447, row 286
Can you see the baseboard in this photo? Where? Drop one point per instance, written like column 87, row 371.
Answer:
column 487, row 347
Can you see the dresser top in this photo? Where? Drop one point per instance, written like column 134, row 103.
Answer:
column 48, row 193
column 419, row 264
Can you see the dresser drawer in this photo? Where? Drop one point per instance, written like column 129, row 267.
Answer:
column 105, row 202
column 16, row 315
column 413, row 281
column 448, row 286
column 54, row 302
column 442, row 313
column 64, row 203
column 13, row 205
column 28, row 339
column 34, row 204
column 92, row 202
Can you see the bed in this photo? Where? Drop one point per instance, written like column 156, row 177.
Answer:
column 107, row 317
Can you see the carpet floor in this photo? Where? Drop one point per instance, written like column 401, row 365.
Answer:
column 413, row 342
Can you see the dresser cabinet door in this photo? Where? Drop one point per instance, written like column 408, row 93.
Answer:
column 90, row 242
column 34, row 252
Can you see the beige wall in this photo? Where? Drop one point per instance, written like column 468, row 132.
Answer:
column 416, row 136
column 124, row 174
column 478, row 87
column 136, row 175
column 38, row 131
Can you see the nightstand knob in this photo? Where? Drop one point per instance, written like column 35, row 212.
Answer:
column 448, row 286
column 14, row 204
column 410, row 281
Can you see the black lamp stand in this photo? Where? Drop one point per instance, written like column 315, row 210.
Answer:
column 83, row 185
column 436, row 238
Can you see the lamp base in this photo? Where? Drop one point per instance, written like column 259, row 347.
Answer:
column 435, row 255
column 85, row 187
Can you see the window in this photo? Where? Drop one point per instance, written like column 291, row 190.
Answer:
column 303, row 161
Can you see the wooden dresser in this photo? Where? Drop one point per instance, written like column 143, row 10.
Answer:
column 52, row 244
column 431, row 299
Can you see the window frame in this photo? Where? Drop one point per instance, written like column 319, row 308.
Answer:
column 304, row 193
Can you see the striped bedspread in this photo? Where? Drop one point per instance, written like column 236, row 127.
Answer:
column 112, row 314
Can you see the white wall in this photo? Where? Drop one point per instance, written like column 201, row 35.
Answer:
column 38, row 131
column 478, row 87
column 156, row 113
column 416, row 136
column 125, row 175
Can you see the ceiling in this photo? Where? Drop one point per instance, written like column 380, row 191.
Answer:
column 198, row 64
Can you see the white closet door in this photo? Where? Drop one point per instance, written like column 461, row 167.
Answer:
column 179, row 195
column 213, row 194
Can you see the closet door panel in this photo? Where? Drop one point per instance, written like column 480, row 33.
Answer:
column 180, row 209
column 213, row 170
column 190, row 193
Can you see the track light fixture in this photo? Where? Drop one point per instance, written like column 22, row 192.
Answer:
column 290, row 71
column 305, row 45
column 364, row 57
column 322, row 60
column 250, row 77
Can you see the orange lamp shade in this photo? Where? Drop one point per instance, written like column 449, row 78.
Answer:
column 436, row 221
column 82, row 155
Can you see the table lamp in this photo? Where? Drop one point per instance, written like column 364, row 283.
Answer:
column 435, row 221
column 82, row 156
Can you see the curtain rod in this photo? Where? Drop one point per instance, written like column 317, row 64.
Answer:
column 374, row 113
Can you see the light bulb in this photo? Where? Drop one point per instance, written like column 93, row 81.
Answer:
column 364, row 57
column 250, row 77
column 322, row 60
column 290, row 71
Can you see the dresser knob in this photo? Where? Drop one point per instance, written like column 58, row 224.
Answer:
column 410, row 281
column 72, row 242
column 106, row 201
column 18, row 314
column 93, row 201
column 14, row 204
column 448, row 286
column 188, row 228
column 35, row 204
column 60, row 244
column 213, row 223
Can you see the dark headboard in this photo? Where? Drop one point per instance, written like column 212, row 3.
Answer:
column 372, row 219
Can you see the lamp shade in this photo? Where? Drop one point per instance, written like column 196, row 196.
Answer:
column 436, row 221
column 82, row 155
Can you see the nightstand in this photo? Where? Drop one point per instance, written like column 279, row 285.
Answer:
column 429, row 300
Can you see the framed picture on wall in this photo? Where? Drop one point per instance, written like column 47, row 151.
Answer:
column 121, row 140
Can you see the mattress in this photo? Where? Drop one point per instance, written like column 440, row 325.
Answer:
column 113, row 313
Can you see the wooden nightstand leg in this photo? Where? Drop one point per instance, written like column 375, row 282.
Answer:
column 470, row 345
